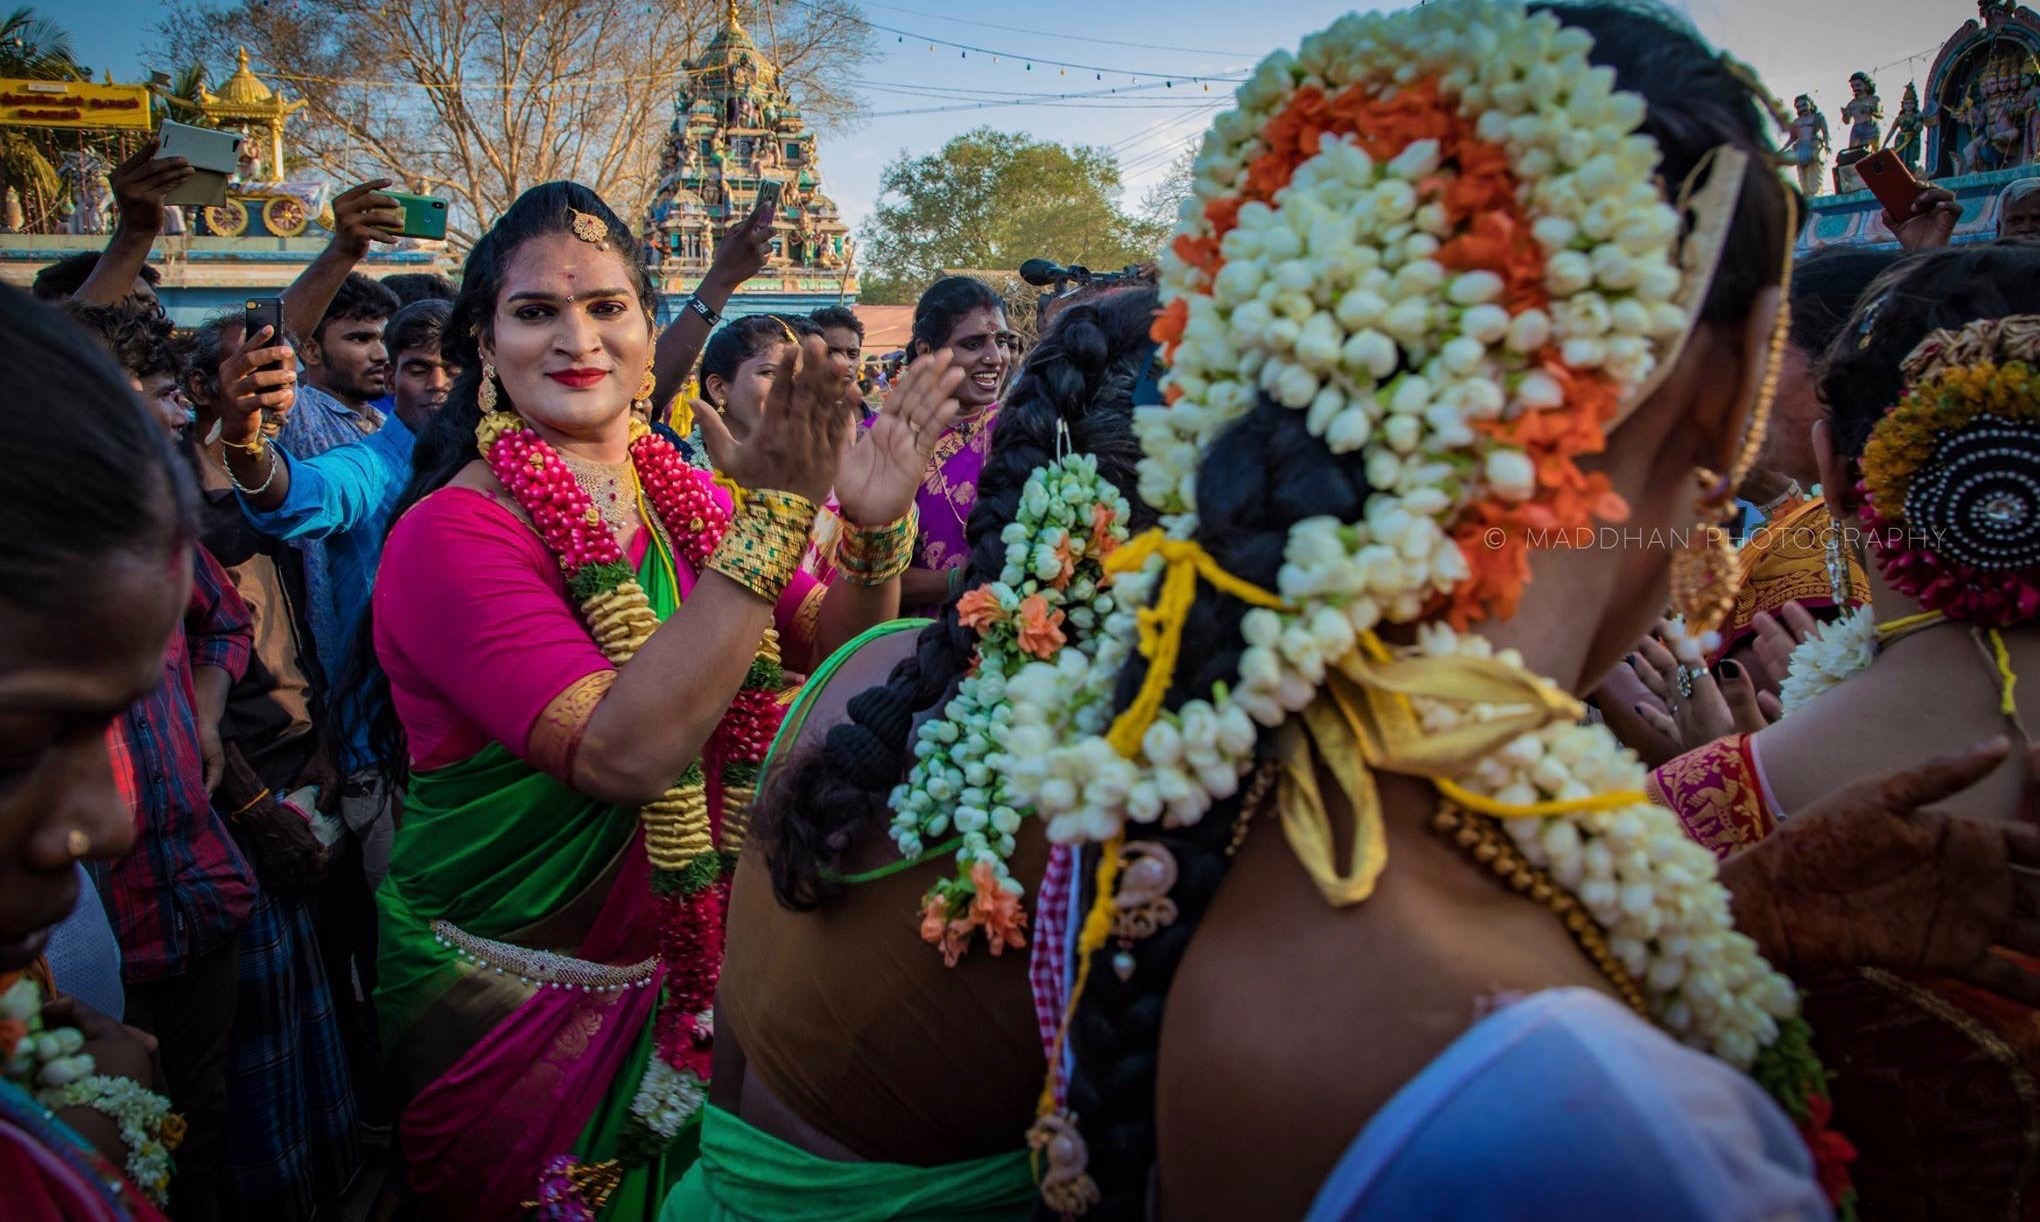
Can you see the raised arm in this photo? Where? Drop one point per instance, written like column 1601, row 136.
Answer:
column 139, row 185
column 361, row 217
column 740, row 256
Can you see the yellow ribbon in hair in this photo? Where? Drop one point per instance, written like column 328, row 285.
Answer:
column 1363, row 722
column 1161, row 626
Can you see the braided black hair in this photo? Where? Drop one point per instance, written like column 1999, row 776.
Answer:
column 448, row 442
column 1265, row 474
column 1860, row 375
column 1083, row 376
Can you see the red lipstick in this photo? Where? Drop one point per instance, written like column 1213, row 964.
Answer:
column 578, row 378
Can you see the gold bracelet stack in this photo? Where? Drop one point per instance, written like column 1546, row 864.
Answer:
column 872, row 556
column 762, row 549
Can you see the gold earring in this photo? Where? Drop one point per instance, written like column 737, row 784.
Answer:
column 649, row 386
column 77, row 843
column 1704, row 573
column 485, row 394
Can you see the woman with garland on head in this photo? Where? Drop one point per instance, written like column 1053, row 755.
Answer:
column 1931, row 449
column 1458, row 278
column 856, row 1067
column 582, row 639
column 96, row 541
column 963, row 317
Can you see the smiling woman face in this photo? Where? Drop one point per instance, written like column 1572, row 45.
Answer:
column 570, row 341
column 981, row 345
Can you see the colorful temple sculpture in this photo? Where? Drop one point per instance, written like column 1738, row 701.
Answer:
column 734, row 129
column 1973, row 130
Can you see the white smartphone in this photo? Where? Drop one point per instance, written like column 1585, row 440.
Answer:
column 215, row 155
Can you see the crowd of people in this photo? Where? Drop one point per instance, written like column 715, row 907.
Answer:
column 1480, row 687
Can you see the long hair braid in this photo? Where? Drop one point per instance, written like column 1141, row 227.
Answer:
column 1267, row 473
column 1081, row 377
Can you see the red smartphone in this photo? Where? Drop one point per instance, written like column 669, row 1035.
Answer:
column 1892, row 184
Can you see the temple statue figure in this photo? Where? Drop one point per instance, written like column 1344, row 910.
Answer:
column 1907, row 134
column 1806, row 143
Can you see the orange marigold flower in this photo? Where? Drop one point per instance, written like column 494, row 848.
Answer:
column 955, row 941
column 1067, row 559
column 1041, row 631
column 997, row 910
column 934, row 915
column 1102, row 542
column 1168, row 325
column 979, row 609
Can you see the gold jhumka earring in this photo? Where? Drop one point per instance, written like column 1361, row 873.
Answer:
column 1704, row 572
column 485, row 394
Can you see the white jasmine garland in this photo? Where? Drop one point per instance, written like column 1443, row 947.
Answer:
column 666, row 1098
column 1329, row 301
column 1070, row 517
column 141, row 1115
column 1836, row 651
column 1653, row 890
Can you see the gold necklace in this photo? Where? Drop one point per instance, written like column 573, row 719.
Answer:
column 1481, row 839
column 611, row 488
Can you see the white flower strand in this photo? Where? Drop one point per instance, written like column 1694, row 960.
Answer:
column 1330, row 302
column 964, row 761
column 1834, row 653
column 1653, row 890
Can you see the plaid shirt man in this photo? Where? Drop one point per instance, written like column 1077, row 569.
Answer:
column 185, row 888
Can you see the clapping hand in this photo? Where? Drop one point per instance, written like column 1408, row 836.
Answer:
column 1777, row 637
column 880, row 474
column 1696, row 705
column 805, row 428
column 1867, row 878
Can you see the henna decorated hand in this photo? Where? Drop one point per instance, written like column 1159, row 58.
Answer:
column 1866, row 878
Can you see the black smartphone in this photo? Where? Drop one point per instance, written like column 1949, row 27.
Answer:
column 260, row 312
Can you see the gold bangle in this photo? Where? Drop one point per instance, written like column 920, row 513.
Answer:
column 762, row 549
column 872, row 556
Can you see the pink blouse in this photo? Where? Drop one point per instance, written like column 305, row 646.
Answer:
column 475, row 630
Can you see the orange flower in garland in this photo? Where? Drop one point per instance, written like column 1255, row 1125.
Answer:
column 1041, row 631
column 979, row 609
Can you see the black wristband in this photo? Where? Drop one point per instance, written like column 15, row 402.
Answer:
column 696, row 304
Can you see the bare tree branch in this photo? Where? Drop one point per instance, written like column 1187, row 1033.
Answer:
column 479, row 100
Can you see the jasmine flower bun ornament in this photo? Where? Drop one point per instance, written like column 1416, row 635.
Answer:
column 1442, row 238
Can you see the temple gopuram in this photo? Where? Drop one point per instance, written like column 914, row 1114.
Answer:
column 735, row 128
column 1974, row 129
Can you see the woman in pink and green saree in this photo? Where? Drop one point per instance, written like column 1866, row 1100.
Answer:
column 582, row 640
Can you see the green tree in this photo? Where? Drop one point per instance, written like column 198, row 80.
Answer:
column 992, row 199
column 36, row 49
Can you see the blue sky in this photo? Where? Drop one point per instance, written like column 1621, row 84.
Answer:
column 1798, row 46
